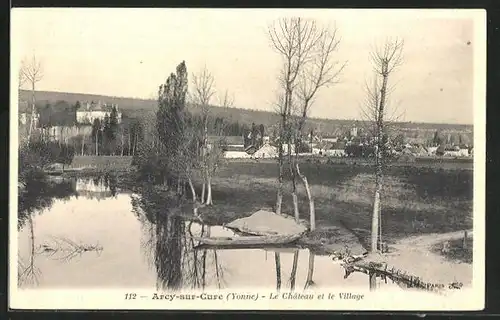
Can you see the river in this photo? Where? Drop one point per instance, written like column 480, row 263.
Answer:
column 89, row 234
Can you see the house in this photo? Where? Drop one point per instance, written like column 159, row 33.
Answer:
column 464, row 150
column 452, row 151
column 432, row 151
column 89, row 111
column 235, row 152
column 266, row 151
column 332, row 140
column 336, row 149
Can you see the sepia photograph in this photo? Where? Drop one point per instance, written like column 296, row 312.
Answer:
column 326, row 159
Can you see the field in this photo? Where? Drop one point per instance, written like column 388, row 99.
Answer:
column 416, row 200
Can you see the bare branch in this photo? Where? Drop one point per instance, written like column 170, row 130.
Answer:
column 203, row 84
column 31, row 70
column 226, row 101
column 388, row 57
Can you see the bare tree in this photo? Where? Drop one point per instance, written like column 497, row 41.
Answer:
column 203, row 91
column 31, row 72
column 292, row 39
column 306, row 50
column 385, row 60
column 320, row 71
column 227, row 100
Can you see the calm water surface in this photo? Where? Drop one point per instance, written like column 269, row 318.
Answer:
column 99, row 237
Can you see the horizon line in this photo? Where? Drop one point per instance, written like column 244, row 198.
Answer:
column 248, row 109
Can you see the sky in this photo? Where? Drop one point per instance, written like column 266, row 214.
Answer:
column 130, row 52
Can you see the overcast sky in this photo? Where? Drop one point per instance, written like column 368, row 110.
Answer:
column 130, row 52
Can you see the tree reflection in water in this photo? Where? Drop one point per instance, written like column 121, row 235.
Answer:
column 28, row 273
column 277, row 260
column 37, row 195
column 294, row 269
column 310, row 270
column 170, row 247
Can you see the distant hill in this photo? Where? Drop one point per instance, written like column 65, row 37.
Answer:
column 135, row 107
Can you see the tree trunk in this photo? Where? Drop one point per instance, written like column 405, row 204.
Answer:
column 203, row 187
column 83, row 144
column 291, row 160
column 123, row 142
column 135, row 143
column 375, row 219
column 376, row 215
column 96, row 143
column 312, row 210
column 193, row 191
column 179, row 186
column 30, row 130
column 129, row 143
column 279, row 195
column 209, row 190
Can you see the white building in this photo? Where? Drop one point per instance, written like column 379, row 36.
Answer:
column 457, row 153
column 88, row 112
column 266, row 151
column 236, row 155
column 432, row 150
column 335, row 153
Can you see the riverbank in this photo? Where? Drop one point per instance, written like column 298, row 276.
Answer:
column 101, row 163
column 417, row 201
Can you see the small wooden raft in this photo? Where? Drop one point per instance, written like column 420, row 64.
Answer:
column 380, row 269
column 248, row 240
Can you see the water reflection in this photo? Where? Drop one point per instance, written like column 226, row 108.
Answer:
column 28, row 274
column 38, row 194
column 144, row 240
column 171, row 244
column 98, row 187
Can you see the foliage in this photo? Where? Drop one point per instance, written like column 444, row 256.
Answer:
column 41, row 153
column 158, row 158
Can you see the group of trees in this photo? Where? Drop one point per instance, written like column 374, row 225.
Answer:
column 60, row 113
column 254, row 136
column 307, row 52
column 176, row 149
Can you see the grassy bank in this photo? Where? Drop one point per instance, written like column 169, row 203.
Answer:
column 416, row 200
column 455, row 250
column 101, row 163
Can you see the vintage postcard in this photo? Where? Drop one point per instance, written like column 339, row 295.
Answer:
column 247, row 159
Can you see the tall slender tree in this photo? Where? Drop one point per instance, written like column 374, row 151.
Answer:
column 203, row 91
column 170, row 118
column 385, row 60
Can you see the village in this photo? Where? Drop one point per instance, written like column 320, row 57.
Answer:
column 352, row 142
